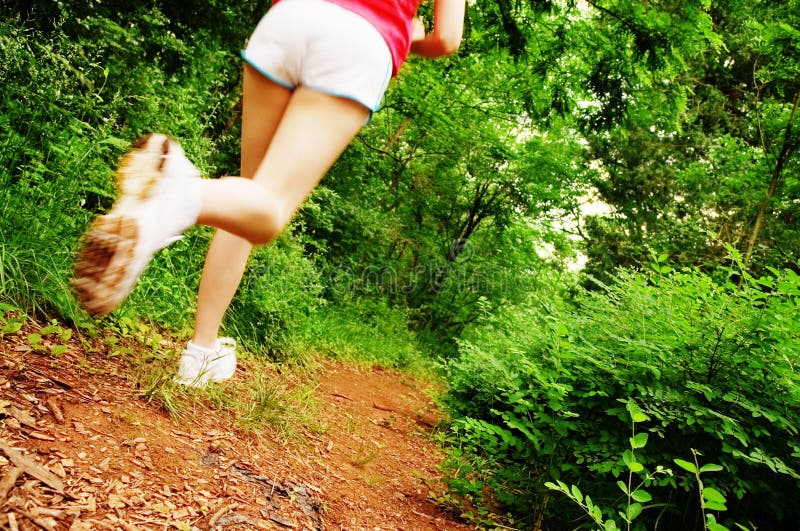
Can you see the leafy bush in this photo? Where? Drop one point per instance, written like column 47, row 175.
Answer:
column 712, row 364
column 279, row 291
column 366, row 330
column 80, row 84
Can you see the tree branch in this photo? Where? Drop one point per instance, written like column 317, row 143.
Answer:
column 784, row 154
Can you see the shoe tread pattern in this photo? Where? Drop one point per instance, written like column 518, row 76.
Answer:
column 108, row 247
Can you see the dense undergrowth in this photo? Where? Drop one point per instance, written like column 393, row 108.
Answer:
column 540, row 396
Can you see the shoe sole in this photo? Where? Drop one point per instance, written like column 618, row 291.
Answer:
column 103, row 266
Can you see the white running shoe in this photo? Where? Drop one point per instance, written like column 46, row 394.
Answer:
column 159, row 197
column 198, row 366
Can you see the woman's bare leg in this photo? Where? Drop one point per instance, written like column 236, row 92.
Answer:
column 263, row 105
column 313, row 130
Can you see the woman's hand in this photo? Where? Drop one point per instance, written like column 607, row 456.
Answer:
column 448, row 28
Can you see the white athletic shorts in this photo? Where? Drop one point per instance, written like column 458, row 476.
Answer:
column 320, row 45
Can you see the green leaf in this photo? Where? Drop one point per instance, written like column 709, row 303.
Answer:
column 623, row 487
column 515, row 423
column 594, row 511
column 576, row 493
column 118, row 143
column 713, row 495
column 560, row 487
column 714, row 506
column 57, row 350
column 641, row 496
column 6, row 307
column 686, row 465
column 710, row 467
column 639, row 440
column 712, row 525
column 627, row 457
column 636, row 413
column 12, row 328
column 634, row 510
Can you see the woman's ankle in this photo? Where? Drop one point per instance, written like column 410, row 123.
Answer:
column 203, row 343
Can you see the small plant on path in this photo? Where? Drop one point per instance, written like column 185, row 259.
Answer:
column 637, row 499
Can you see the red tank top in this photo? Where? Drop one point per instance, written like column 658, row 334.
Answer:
column 392, row 19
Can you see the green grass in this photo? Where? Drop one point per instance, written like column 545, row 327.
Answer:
column 364, row 333
column 261, row 397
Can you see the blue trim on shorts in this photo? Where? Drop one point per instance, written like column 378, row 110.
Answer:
column 345, row 96
column 266, row 74
column 371, row 108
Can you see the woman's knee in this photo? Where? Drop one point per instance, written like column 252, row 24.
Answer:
column 267, row 224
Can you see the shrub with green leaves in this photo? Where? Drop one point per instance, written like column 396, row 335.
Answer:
column 80, row 84
column 712, row 364
column 278, row 293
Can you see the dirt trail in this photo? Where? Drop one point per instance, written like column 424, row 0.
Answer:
column 81, row 449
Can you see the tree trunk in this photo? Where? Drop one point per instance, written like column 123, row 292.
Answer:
column 397, row 133
column 786, row 150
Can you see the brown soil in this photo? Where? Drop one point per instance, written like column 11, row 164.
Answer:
column 82, row 449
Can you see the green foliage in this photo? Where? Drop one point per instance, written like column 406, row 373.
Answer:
column 365, row 330
column 75, row 96
column 11, row 319
column 720, row 167
column 445, row 223
column 713, row 366
column 279, row 292
column 402, row 218
column 635, row 496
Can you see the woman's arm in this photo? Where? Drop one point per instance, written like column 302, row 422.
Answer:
column 448, row 27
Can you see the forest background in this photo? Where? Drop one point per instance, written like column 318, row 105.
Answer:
column 585, row 223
